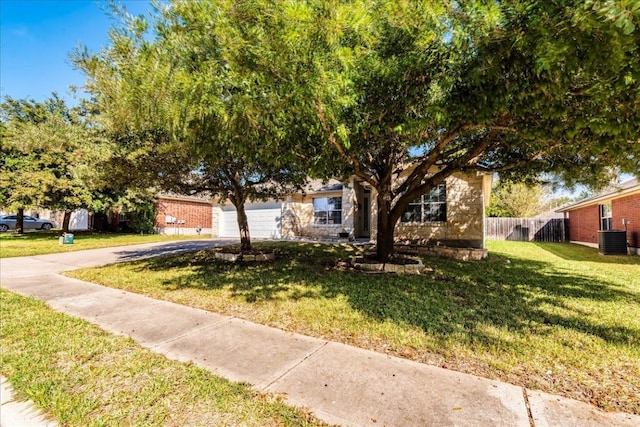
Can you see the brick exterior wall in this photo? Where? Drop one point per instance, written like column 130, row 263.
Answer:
column 584, row 224
column 188, row 214
column 628, row 208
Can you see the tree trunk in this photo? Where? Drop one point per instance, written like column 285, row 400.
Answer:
column 243, row 225
column 384, row 235
column 20, row 221
column 65, row 221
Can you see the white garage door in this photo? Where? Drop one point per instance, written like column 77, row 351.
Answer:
column 263, row 221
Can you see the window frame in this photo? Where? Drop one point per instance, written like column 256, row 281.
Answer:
column 423, row 207
column 606, row 216
column 326, row 217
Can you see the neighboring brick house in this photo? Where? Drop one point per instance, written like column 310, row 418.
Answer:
column 452, row 215
column 614, row 209
column 183, row 215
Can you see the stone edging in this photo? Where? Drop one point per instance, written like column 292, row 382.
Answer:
column 233, row 257
column 357, row 263
column 462, row 254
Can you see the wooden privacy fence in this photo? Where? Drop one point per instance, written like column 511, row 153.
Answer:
column 527, row 229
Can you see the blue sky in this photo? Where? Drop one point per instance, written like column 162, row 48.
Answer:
column 37, row 36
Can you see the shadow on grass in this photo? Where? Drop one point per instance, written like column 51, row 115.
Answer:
column 462, row 298
column 575, row 252
column 169, row 248
column 30, row 235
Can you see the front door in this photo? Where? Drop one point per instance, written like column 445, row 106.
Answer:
column 363, row 226
column 366, row 214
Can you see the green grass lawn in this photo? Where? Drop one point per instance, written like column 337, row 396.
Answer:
column 554, row 317
column 46, row 242
column 83, row 376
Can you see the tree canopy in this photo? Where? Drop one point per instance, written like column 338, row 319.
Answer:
column 49, row 156
column 408, row 93
column 401, row 94
column 516, row 200
column 190, row 112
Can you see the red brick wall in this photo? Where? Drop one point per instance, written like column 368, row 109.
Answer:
column 194, row 213
column 629, row 209
column 584, row 224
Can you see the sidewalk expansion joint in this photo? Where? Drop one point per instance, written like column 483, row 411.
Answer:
column 191, row 331
column 304, row 359
column 532, row 423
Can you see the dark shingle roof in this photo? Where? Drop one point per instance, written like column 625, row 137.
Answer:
column 610, row 193
column 318, row 186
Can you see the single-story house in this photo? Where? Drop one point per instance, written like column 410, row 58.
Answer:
column 451, row 215
column 617, row 208
column 183, row 215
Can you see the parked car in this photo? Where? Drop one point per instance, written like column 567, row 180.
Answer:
column 8, row 222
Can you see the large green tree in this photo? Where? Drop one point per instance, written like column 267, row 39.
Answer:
column 408, row 93
column 13, row 195
column 188, row 108
column 48, row 156
column 402, row 94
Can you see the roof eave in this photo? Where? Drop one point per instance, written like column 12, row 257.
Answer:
column 598, row 200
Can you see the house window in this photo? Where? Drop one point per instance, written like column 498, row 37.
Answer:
column 606, row 217
column 327, row 210
column 431, row 207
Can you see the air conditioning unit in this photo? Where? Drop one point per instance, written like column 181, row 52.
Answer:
column 612, row 242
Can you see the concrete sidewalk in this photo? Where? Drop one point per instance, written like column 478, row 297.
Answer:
column 340, row 384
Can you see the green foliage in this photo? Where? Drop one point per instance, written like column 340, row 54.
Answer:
column 140, row 214
column 49, row 155
column 517, row 200
column 407, row 94
column 401, row 94
column 190, row 110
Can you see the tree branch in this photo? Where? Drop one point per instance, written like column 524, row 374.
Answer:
column 332, row 139
column 423, row 167
column 420, row 186
column 515, row 163
column 415, row 178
